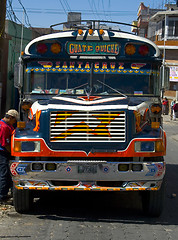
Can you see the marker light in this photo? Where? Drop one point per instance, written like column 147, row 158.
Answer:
column 41, row 48
column 90, row 31
column 21, row 125
column 80, row 31
column 130, row 49
column 155, row 125
column 143, row 50
column 55, row 48
column 101, row 31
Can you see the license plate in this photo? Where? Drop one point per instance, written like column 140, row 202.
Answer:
column 87, row 169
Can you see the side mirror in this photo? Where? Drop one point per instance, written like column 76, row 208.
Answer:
column 18, row 74
column 164, row 77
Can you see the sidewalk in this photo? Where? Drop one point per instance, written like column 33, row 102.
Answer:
column 167, row 118
column 174, row 125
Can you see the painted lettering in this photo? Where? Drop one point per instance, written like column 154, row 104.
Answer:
column 90, row 48
column 97, row 65
column 121, row 65
column 87, row 65
column 80, row 64
column 104, row 65
column 112, row 65
column 64, row 65
column 72, row 64
column 58, row 64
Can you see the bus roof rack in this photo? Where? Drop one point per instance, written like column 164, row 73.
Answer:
column 94, row 24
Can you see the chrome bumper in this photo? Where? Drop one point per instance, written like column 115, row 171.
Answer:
column 88, row 175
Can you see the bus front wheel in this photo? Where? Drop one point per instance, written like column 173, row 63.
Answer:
column 153, row 201
column 22, row 200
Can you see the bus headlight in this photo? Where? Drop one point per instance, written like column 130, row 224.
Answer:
column 27, row 146
column 146, row 146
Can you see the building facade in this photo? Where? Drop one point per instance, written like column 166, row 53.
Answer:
column 14, row 44
column 165, row 35
column 161, row 26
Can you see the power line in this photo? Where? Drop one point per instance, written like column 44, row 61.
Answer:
column 12, row 13
column 63, row 7
column 26, row 15
column 67, row 5
column 92, row 9
column 93, row 1
column 85, row 12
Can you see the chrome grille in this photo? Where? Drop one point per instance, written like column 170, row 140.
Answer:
column 83, row 126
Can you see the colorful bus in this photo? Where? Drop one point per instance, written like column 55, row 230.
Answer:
column 91, row 109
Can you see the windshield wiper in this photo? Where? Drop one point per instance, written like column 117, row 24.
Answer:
column 112, row 88
column 73, row 89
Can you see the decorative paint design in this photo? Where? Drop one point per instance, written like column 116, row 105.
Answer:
column 20, row 169
column 37, row 127
column 156, row 169
column 68, row 169
column 101, row 129
column 13, row 168
column 106, row 169
column 88, row 186
column 85, row 67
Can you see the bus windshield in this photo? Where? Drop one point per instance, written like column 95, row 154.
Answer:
column 129, row 81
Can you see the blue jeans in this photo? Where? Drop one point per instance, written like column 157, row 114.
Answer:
column 5, row 176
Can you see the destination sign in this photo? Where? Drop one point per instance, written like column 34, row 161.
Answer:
column 92, row 48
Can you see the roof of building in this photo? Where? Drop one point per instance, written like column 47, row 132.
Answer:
column 161, row 15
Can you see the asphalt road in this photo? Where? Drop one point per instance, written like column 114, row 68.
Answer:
column 88, row 215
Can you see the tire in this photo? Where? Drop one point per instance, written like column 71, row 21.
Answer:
column 22, row 200
column 153, row 201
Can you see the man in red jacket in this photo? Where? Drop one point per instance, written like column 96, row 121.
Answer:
column 6, row 130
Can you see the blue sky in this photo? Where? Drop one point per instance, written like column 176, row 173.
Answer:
column 43, row 13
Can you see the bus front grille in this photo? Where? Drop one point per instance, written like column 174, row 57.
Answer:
column 72, row 126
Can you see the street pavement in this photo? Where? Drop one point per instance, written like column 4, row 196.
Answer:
column 80, row 216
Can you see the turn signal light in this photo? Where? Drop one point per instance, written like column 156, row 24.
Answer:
column 130, row 49
column 55, row 48
column 159, row 147
column 17, row 146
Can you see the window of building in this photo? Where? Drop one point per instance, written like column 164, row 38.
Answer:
column 173, row 28
column 163, row 28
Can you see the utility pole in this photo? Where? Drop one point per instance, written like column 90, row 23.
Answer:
column 2, row 31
